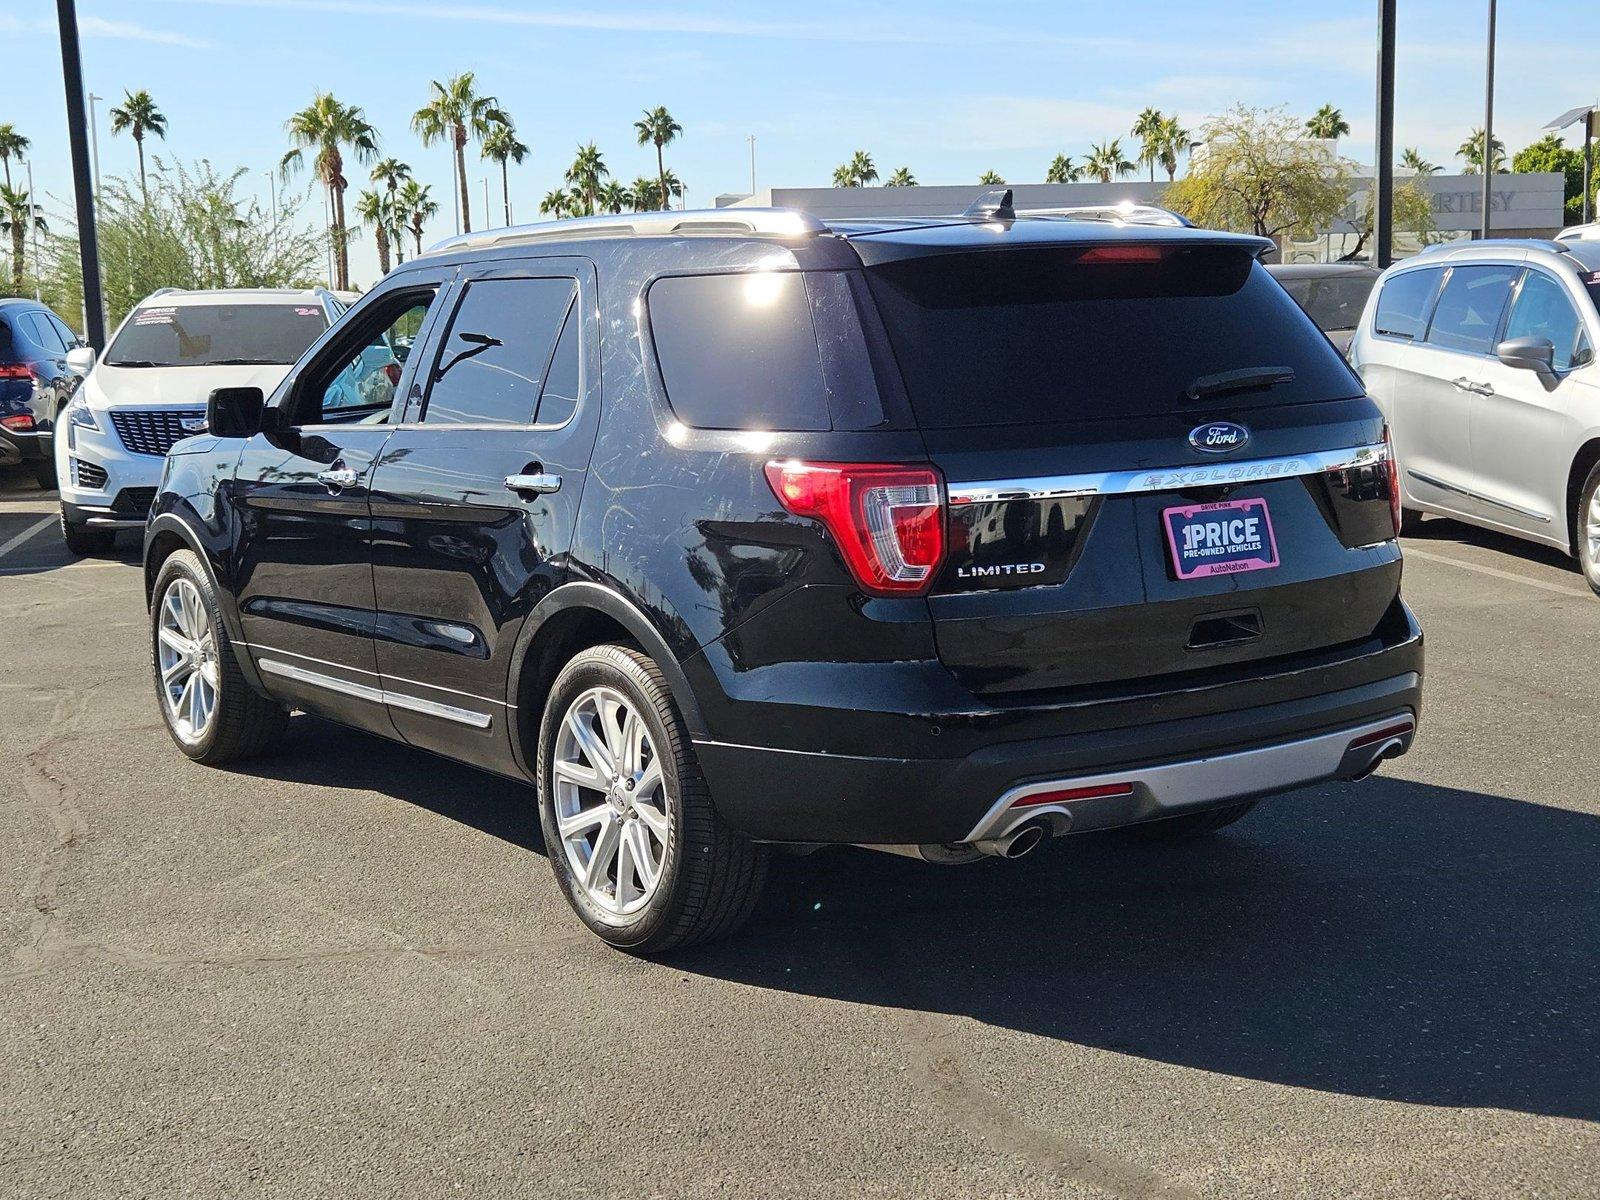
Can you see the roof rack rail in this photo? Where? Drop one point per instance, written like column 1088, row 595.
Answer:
column 726, row 222
column 1124, row 213
column 1559, row 247
column 162, row 291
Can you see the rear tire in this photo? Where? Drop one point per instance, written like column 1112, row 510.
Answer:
column 1191, row 825
column 44, row 472
column 1410, row 522
column 1586, row 529
column 82, row 541
column 618, row 778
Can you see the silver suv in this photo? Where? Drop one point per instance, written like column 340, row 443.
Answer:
column 1483, row 359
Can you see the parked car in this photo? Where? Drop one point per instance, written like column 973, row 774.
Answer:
column 939, row 536
column 150, row 390
column 1482, row 356
column 36, row 380
column 1333, row 294
column 1580, row 233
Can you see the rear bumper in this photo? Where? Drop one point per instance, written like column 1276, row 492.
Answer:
column 23, row 447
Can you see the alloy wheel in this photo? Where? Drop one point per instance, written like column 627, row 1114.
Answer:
column 1592, row 529
column 186, row 656
column 611, row 803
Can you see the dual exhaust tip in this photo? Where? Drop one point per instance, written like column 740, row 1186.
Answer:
column 1013, row 844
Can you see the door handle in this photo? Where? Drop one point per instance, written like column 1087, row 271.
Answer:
column 337, row 476
column 1463, row 384
column 1484, row 389
column 539, row 484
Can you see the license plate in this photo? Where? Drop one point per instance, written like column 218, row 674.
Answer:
column 1226, row 538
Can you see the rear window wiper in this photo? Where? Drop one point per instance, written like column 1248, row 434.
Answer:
column 1242, row 380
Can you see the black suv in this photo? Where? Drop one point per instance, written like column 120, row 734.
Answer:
column 735, row 528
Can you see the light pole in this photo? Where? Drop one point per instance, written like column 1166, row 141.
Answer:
column 1383, row 154
column 94, row 314
column 272, row 184
column 752, row 165
column 1488, row 122
column 94, row 144
column 486, row 208
column 34, row 225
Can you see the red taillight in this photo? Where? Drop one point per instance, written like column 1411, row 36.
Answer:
column 15, row 371
column 392, row 370
column 1400, row 729
column 1096, row 791
column 887, row 519
column 18, row 422
column 1121, row 254
column 1392, row 470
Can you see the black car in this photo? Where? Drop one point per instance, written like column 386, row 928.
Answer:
column 735, row 528
column 1334, row 295
column 35, row 382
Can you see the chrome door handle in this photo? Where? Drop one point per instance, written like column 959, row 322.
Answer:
column 1484, row 389
column 1463, row 384
column 337, row 477
column 533, row 485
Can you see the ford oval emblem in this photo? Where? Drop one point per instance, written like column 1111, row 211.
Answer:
column 1219, row 437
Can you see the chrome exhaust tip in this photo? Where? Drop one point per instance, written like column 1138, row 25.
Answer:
column 1390, row 749
column 1016, row 843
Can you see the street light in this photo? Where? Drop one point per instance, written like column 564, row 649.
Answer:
column 94, row 145
column 94, row 317
column 1589, row 114
column 1488, row 123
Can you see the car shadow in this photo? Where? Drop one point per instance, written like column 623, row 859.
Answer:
column 1388, row 939
column 1440, row 530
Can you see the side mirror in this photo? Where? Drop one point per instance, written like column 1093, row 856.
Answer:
column 80, row 360
column 1530, row 353
column 235, row 412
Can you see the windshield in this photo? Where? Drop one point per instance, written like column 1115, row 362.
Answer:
column 1333, row 302
column 1026, row 336
column 198, row 335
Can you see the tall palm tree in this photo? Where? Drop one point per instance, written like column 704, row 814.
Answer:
column 993, row 178
column 1061, row 170
column 587, row 172
column 372, row 208
column 674, row 189
column 138, row 115
column 1172, row 140
column 858, row 172
column 557, row 204
column 613, row 197
column 391, row 173
column 417, row 206
column 1106, row 161
column 19, row 216
column 901, row 177
column 1471, row 151
column 1147, row 127
column 645, row 194
column 327, row 126
column 501, row 145
column 12, row 145
column 457, row 111
column 1411, row 159
column 657, row 128
column 1327, row 123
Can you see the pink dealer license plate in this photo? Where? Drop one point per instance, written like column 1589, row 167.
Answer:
column 1226, row 538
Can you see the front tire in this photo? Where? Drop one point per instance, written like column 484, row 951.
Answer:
column 1586, row 529
column 213, row 715
column 44, row 472
column 82, row 541
column 629, row 827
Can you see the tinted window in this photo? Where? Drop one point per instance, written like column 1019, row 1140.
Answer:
column 68, row 338
column 1334, row 302
column 197, row 335
column 42, row 333
column 738, row 351
column 1543, row 310
column 492, row 365
column 1403, row 304
column 560, row 398
column 358, row 383
column 5, row 337
column 1023, row 336
column 1468, row 313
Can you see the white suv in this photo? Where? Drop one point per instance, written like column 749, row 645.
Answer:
column 1483, row 358
column 150, row 390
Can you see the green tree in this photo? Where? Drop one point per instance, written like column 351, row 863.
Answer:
column 1413, row 213
column 901, row 177
column 1471, row 152
column 557, row 204
column 613, row 197
column 991, row 178
column 12, row 145
column 859, row 171
column 372, row 208
column 1328, row 124
column 456, row 111
column 1106, row 161
column 1062, row 171
column 1257, row 175
column 138, row 115
column 1172, row 140
column 1411, row 159
column 657, row 128
column 1550, row 153
column 1148, row 127
column 645, row 193
column 19, row 216
column 587, row 172
column 327, row 127
column 417, row 207
column 501, row 145
column 390, row 173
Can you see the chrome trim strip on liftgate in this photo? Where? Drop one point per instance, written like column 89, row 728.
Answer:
column 377, row 695
column 1166, row 479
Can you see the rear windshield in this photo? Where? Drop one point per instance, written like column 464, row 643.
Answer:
column 198, row 335
column 1019, row 337
column 1333, row 302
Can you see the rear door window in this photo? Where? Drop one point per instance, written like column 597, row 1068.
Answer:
column 491, row 367
column 1542, row 309
column 43, row 334
column 1468, row 314
column 1403, row 304
column 559, row 400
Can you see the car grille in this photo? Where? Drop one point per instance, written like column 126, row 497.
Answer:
column 153, row 430
column 87, row 474
column 133, row 502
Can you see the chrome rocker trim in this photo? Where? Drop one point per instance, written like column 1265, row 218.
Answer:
column 377, row 695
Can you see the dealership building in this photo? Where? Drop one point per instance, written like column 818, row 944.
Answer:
column 1520, row 205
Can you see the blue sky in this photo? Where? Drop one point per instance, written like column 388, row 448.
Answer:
column 947, row 88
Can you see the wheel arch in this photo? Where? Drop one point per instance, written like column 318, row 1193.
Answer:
column 1582, row 463
column 167, row 533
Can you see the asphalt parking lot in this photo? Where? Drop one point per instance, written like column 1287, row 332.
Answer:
column 345, row 971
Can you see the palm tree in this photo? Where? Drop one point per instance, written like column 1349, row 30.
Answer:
column 587, row 172
column 657, row 128
column 327, row 126
column 1411, row 159
column 416, row 205
column 557, row 204
column 991, row 177
column 459, row 113
column 1061, row 170
column 1174, row 140
column 372, row 208
column 858, row 172
column 502, row 146
column 1471, row 151
column 1147, row 127
column 901, row 177
column 674, row 189
column 391, row 173
column 1328, row 124
column 613, row 197
column 1106, row 161
column 19, row 216
column 138, row 115
column 645, row 194
column 12, row 145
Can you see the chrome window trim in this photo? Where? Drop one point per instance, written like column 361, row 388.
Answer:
column 1165, row 479
column 257, row 647
column 377, row 695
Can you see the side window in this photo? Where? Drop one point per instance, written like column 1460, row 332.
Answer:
column 358, row 382
column 491, row 367
column 1469, row 309
column 1403, row 304
column 1542, row 309
column 739, row 351
column 43, row 334
column 560, row 398
column 68, row 338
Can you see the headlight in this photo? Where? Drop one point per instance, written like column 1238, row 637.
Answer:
column 79, row 414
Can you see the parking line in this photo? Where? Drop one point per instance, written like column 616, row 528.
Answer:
column 1409, row 552
column 7, row 547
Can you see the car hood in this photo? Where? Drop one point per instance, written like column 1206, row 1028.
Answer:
column 173, row 387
